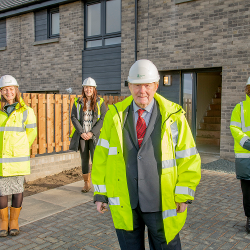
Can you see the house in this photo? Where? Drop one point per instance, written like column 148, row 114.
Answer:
column 201, row 48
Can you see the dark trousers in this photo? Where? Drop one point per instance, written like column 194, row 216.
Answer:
column 134, row 240
column 86, row 147
column 245, row 187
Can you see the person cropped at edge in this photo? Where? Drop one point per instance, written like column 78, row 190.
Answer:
column 240, row 129
column 87, row 117
column 17, row 133
column 146, row 165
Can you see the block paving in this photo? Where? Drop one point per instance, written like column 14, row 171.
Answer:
column 215, row 220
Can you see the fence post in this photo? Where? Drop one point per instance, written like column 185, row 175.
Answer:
column 36, row 141
column 58, row 122
column 50, row 122
column 26, row 99
column 42, row 125
column 65, row 123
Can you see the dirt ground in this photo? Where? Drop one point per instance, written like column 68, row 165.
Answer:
column 53, row 181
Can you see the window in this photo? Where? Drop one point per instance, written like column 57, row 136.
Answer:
column 3, row 33
column 102, row 23
column 47, row 24
column 54, row 23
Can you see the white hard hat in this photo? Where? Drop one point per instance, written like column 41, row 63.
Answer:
column 143, row 71
column 248, row 81
column 89, row 82
column 8, row 80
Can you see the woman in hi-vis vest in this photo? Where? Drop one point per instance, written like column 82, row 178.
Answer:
column 87, row 116
column 17, row 133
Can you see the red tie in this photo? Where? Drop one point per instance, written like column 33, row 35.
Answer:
column 140, row 127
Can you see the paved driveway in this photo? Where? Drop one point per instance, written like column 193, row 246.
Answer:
column 215, row 221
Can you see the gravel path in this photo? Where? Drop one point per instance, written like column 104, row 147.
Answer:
column 220, row 165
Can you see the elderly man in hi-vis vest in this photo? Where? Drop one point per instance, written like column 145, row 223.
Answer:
column 146, row 166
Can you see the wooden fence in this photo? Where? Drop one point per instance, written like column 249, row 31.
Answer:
column 53, row 120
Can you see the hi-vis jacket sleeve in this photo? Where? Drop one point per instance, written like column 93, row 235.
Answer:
column 30, row 125
column 235, row 126
column 188, row 162
column 100, row 160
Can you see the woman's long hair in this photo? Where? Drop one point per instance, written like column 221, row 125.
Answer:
column 247, row 90
column 92, row 102
column 17, row 99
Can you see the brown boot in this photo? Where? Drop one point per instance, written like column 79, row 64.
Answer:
column 4, row 222
column 13, row 224
column 87, row 180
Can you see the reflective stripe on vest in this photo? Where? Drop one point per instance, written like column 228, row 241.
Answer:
column 113, row 151
column 100, row 188
column 243, row 126
column 114, row 201
column 184, row 190
column 169, row 213
column 242, row 155
column 175, row 133
column 186, row 153
column 237, row 124
column 243, row 140
column 13, row 129
column 16, row 159
column 31, row 125
column 17, row 129
column 169, row 163
column 103, row 143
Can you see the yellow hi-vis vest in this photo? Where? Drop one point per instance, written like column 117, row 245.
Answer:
column 180, row 166
column 78, row 107
column 240, row 127
column 17, row 133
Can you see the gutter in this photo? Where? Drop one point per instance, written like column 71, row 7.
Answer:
column 136, row 22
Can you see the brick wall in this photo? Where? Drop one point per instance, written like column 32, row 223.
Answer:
column 53, row 66
column 196, row 34
column 43, row 166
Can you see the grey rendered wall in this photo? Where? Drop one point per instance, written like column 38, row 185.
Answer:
column 103, row 65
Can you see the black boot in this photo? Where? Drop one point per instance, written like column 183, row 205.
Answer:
column 248, row 225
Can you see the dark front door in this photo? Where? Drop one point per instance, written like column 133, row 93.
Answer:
column 188, row 98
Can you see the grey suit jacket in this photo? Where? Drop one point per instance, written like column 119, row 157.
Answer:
column 143, row 165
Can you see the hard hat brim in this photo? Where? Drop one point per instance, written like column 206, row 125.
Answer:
column 142, row 81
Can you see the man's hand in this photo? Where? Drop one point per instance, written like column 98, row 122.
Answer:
column 181, row 207
column 101, row 207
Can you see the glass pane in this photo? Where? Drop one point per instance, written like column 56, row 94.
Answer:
column 94, row 19
column 114, row 40
column 55, row 19
column 113, row 16
column 95, row 43
column 187, row 96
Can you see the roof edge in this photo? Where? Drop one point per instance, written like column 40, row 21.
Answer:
column 33, row 7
